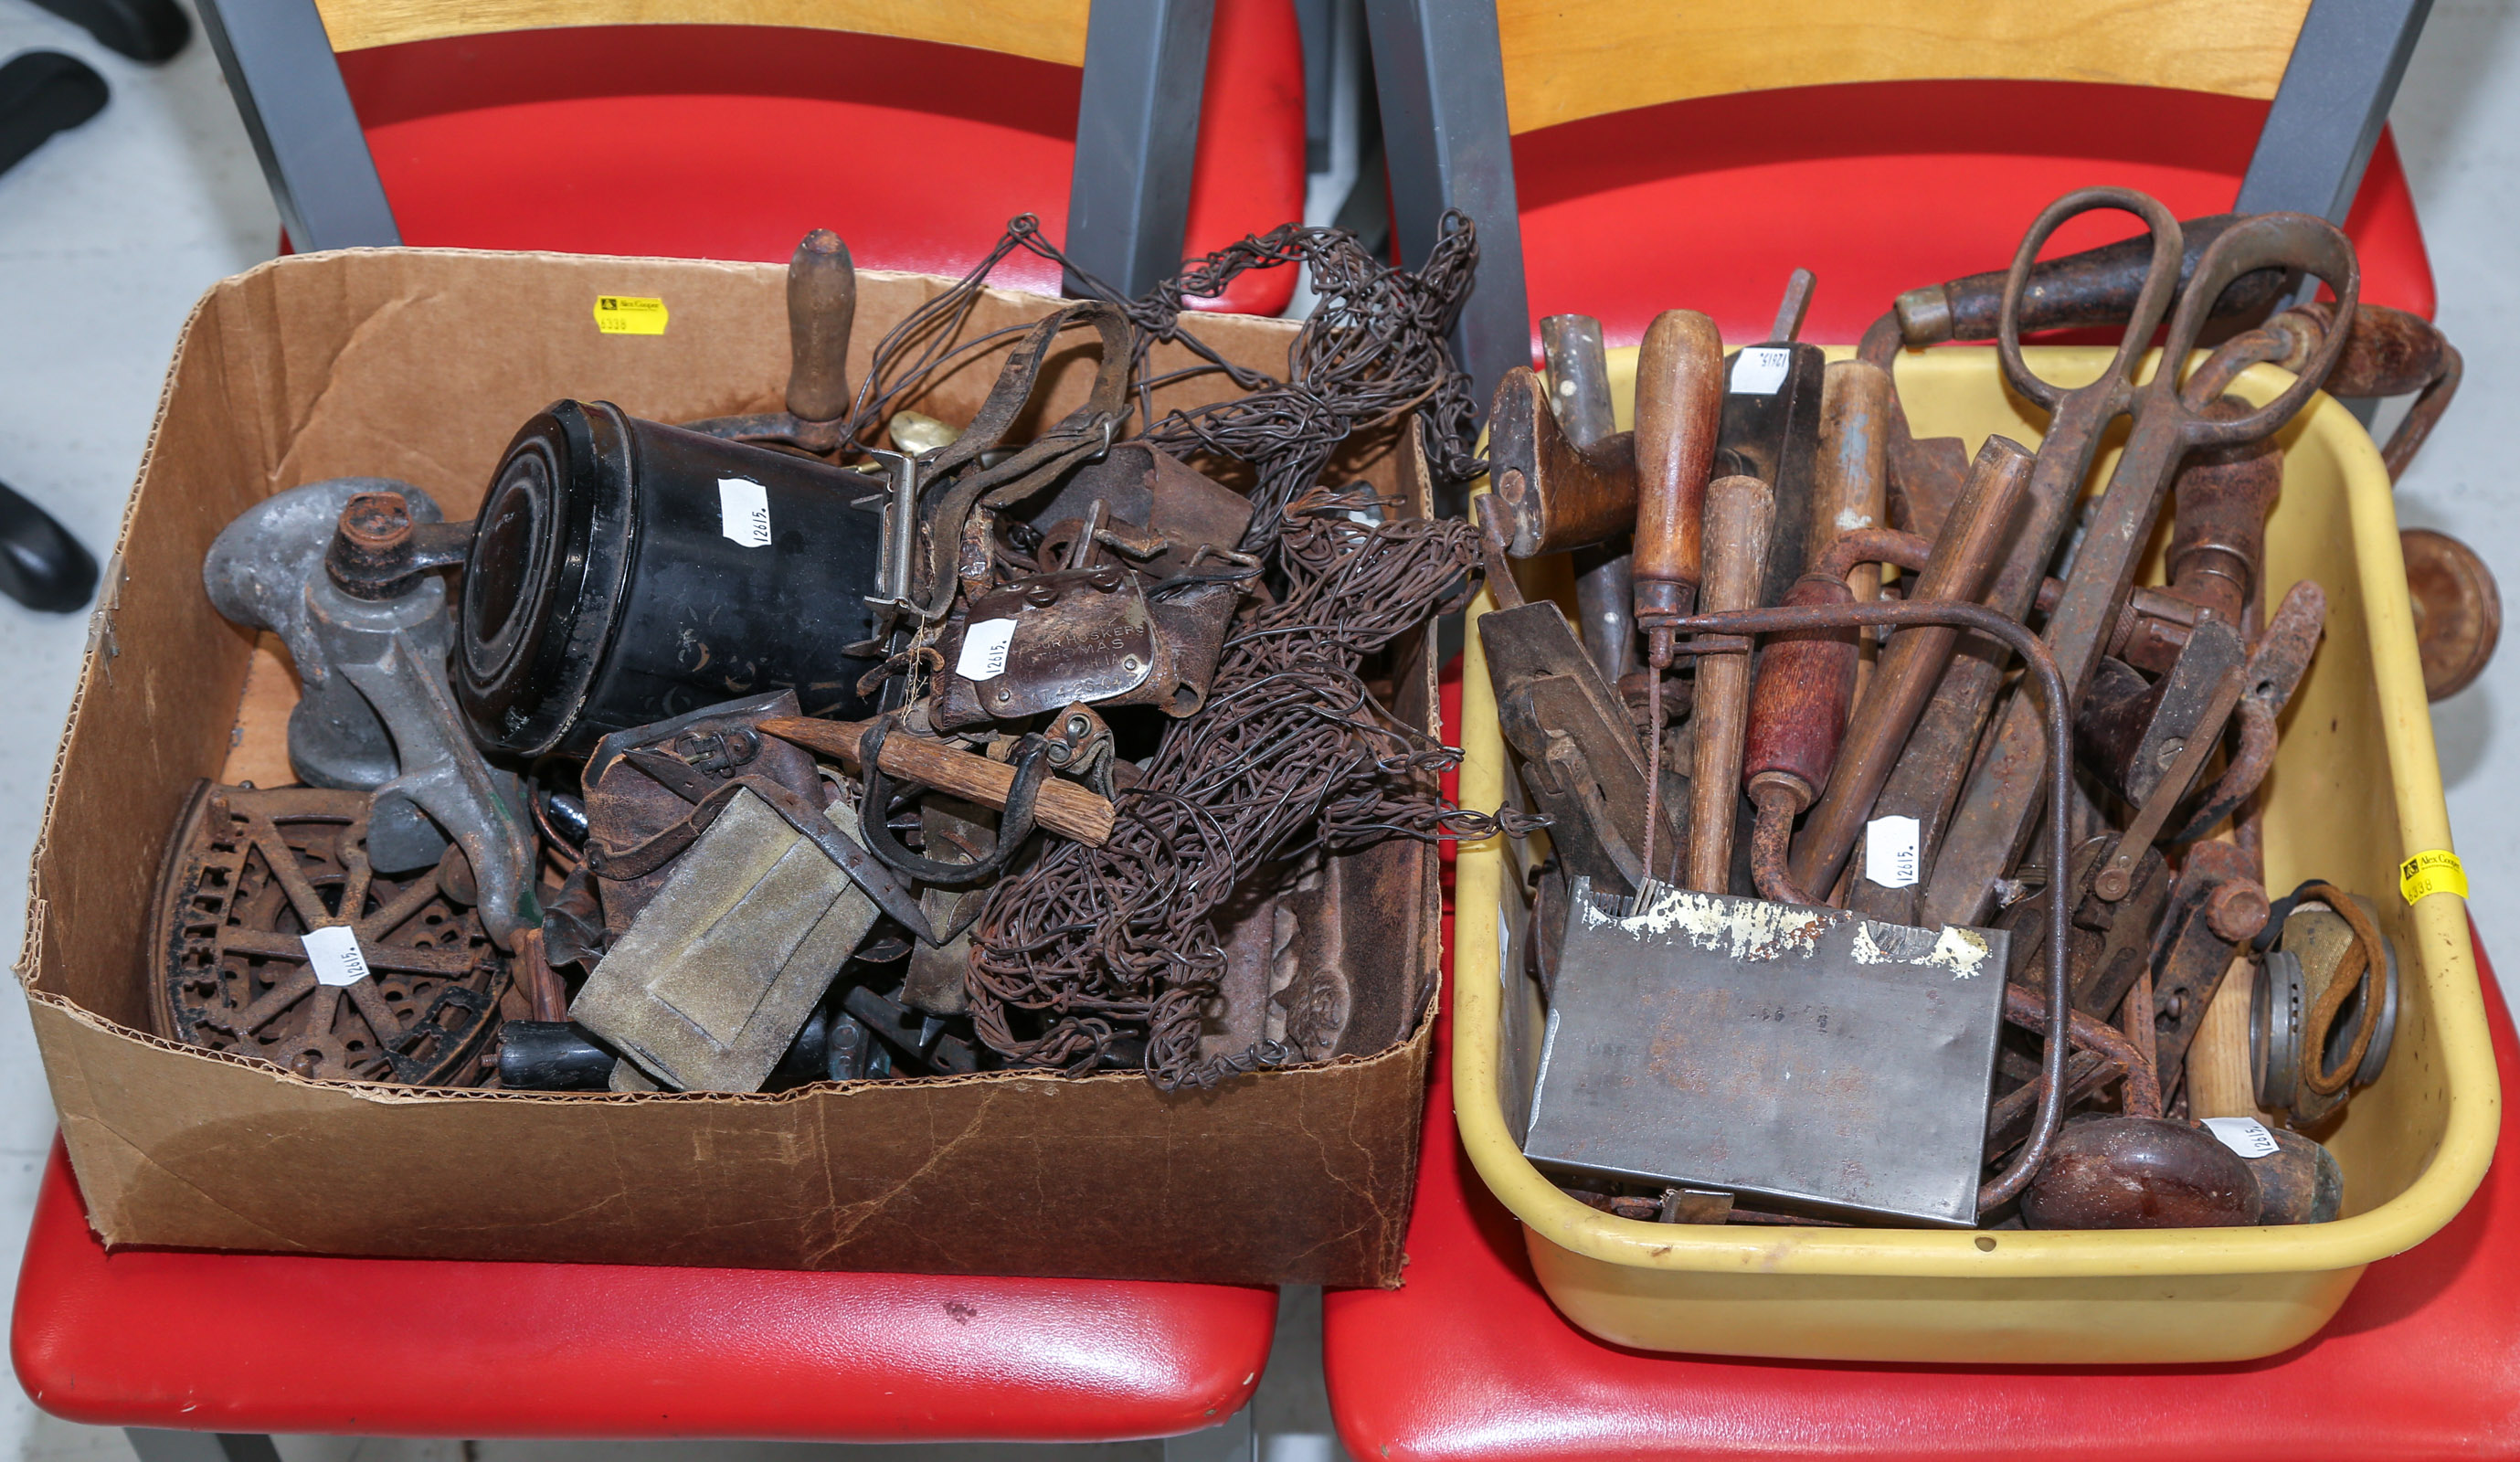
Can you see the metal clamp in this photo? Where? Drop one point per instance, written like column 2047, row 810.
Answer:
column 387, row 722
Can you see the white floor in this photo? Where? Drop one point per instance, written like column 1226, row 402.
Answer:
column 108, row 233
column 107, row 236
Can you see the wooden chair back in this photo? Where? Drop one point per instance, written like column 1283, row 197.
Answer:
column 1566, row 59
column 1051, row 30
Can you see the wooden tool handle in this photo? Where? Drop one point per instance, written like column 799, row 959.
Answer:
column 2220, row 1079
column 1850, row 491
column 2388, row 352
column 1740, row 513
column 821, row 306
column 2095, row 288
column 1064, row 807
column 1679, row 408
column 1799, row 700
column 1555, row 494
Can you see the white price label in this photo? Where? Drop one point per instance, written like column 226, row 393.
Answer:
column 984, row 650
column 744, row 512
column 2245, row 1135
column 1760, row 369
column 1890, row 851
column 333, row 952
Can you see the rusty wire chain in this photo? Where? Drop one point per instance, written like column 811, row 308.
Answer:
column 1292, row 751
column 1373, row 347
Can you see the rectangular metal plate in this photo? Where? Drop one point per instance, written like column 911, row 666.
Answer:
column 1801, row 1058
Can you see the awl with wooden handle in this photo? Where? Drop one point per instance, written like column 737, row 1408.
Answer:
column 1680, row 409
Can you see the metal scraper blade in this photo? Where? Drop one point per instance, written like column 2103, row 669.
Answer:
column 1804, row 1059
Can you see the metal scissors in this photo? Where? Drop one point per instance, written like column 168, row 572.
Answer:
column 2172, row 417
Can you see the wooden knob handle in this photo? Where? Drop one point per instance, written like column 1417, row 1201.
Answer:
column 1680, row 407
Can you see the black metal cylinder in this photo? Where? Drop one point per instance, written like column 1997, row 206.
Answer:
column 551, row 1056
column 624, row 571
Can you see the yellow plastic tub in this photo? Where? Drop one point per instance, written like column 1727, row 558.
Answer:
column 2354, row 791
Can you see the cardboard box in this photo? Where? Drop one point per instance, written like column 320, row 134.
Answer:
column 420, row 364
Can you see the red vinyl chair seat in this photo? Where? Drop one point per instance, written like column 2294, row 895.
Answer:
column 732, row 141
column 418, row 1347
column 1879, row 186
column 1467, row 1361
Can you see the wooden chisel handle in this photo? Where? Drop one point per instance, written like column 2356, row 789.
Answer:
column 1851, row 486
column 1062, row 807
column 1679, row 408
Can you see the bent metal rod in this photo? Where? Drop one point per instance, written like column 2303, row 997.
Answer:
column 2055, row 706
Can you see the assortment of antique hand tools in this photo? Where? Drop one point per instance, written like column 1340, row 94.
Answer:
column 1902, row 858
column 1996, row 941
column 838, row 743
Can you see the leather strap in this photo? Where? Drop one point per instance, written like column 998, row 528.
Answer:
column 1082, row 432
column 642, row 859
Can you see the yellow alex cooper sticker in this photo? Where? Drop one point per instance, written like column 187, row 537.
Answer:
column 626, row 314
column 2434, row 872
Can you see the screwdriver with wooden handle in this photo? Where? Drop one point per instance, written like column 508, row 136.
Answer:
column 1062, row 807
column 1680, row 409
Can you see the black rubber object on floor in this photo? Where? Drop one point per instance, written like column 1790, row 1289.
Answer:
column 151, row 31
column 41, row 566
column 43, row 92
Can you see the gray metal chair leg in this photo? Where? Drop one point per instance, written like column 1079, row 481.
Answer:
column 1234, row 1439
column 155, row 1445
column 1441, row 80
column 2336, row 90
column 288, row 87
column 1137, row 139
